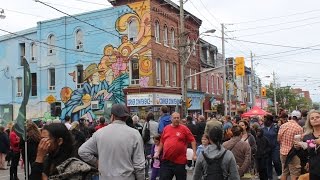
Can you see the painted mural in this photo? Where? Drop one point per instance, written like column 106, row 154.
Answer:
column 105, row 80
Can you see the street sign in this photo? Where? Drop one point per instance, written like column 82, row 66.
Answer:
column 51, row 99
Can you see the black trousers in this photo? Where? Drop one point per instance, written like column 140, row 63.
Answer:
column 14, row 165
column 262, row 168
column 169, row 169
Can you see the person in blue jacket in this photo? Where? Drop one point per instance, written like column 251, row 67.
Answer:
column 164, row 119
column 270, row 131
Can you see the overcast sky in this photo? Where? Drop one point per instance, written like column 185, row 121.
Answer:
column 282, row 34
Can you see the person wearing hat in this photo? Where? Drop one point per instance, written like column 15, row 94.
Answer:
column 79, row 103
column 120, row 157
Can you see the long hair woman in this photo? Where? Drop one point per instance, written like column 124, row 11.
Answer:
column 215, row 151
column 312, row 137
column 54, row 156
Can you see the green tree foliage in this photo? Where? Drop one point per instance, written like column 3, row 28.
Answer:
column 287, row 99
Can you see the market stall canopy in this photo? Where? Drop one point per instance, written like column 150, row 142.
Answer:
column 255, row 111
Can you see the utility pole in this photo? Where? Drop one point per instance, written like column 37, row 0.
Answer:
column 224, row 73
column 183, row 62
column 252, row 85
column 275, row 93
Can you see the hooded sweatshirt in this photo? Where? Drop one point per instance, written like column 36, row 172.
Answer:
column 228, row 164
column 163, row 122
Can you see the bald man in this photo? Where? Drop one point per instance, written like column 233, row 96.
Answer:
column 174, row 141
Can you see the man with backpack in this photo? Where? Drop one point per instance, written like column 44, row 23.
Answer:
column 215, row 162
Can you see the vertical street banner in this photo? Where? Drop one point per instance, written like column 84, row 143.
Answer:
column 19, row 125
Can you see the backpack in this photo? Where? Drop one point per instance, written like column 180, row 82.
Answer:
column 146, row 133
column 214, row 169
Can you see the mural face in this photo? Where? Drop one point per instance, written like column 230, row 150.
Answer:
column 105, row 80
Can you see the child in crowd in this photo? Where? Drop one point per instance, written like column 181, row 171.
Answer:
column 204, row 145
column 155, row 163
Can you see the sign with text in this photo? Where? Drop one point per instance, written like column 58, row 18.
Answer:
column 167, row 99
column 197, row 99
column 139, row 99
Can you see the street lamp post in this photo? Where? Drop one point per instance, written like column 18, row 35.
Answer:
column 183, row 68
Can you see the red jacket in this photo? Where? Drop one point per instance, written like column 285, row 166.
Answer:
column 14, row 142
column 100, row 126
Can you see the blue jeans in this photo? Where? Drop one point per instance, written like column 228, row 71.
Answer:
column 275, row 158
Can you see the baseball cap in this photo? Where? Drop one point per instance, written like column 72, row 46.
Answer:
column 296, row 113
column 120, row 110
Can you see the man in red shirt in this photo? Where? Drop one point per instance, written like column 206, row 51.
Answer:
column 102, row 123
column 174, row 141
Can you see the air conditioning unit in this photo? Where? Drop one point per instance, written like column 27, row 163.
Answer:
column 79, row 46
column 19, row 94
column 167, row 83
column 51, row 88
column 94, row 104
column 79, row 86
column 33, row 59
column 50, row 51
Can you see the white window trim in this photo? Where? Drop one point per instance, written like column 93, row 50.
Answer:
column 78, row 40
column 167, row 75
column 189, row 80
column 195, row 84
column 165, row 36
column 218, row 85
column 50, row 87
column 19, row 93
column 134, row 39
column 212, row 79
column 174, row 74
column 158, row 72
column 51, row 45
column 207, row 84
column 172, row 39
column 33, row 52
column 157, row 32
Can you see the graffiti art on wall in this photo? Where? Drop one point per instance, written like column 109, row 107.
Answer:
column 105, row 80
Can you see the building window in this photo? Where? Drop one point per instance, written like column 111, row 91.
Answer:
column 165, row 36
column 33, row 52
column 51, row 44
column 195, row 85
column 172, row 42
column 174, row 74
column 79, row 76
column 19, row 86
column 189, row 85
column 207, row 83
column 79, row 40
column 34, row 84
column 133, row 30
column 158, row 72
column 218, row 86
column 157, row 32
column 188, row 45
column 22, row 52
column 212, row 84
column 135, row 71
column 52, row 79
column 166, row 73
column 194, row 51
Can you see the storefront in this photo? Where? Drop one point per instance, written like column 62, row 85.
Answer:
column 141, row 104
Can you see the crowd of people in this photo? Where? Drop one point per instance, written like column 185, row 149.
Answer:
column 125, row 147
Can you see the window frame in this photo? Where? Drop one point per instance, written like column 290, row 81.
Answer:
column 130, row 27
column 172, row 42
column 165, row 36
column 51, row 87
column 79, row 45
column 157, row 31
column 174, row 75
column 158, row 72
column 51, row 41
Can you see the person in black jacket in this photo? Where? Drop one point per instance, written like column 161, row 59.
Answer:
column 193, row 129
column 4, row 147
column 201, row 126
column 262, row 153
